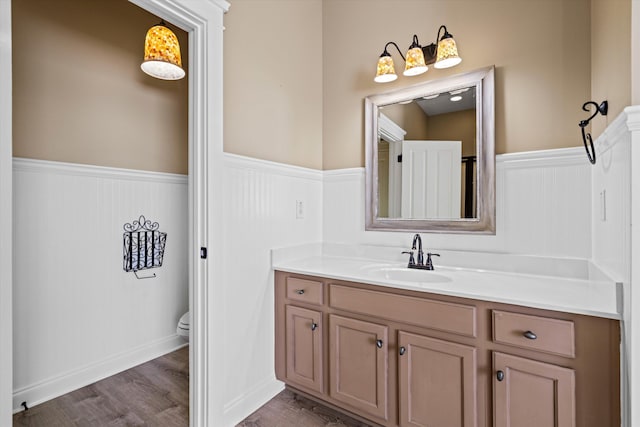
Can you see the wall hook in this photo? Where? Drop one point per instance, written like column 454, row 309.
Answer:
column 603, row 109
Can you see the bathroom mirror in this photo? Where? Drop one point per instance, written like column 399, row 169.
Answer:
column 430, row 156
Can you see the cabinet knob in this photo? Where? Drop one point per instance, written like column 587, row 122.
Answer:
column 379, row 343
column 300, row 291
column 314, row 326
column 402, row 351
column 500, row 375
column 530, row 335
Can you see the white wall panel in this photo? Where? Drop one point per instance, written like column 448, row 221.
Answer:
column 260, row 214
column 78, row 316
column 543, row 207
column 616, row 206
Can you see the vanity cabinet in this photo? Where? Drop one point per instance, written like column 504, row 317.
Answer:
column 532, row 394
column 358, row 364
column 393, row 357
column 436, row 382
column 304, row 347
column 529, row 393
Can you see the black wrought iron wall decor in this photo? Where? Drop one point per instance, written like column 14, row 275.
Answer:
column 603, row 109
column 143, row 246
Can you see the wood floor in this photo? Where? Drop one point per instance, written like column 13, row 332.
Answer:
column 156, row 393
column 290, row 410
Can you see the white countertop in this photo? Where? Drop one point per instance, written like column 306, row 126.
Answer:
column 590, row 294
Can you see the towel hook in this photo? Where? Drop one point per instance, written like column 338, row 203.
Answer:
column 603, row 109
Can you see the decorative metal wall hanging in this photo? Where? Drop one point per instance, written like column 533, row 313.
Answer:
column 143, row 246
column 603, row 109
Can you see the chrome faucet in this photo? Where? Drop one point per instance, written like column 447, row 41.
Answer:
column 419, row 263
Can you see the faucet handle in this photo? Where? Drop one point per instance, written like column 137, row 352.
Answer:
column 412, row 261
column 429, row 263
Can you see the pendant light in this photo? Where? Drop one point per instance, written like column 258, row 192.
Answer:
column 447, row 50
column 386, row 71
column 414, row 64
column 162, row 58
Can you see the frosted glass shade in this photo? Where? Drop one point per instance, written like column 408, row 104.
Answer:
column 162, row 58
column 386, row 71
column 447, row 53
column 415, row 62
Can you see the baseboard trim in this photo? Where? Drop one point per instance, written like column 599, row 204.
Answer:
column 247, row 403
column 64, row 383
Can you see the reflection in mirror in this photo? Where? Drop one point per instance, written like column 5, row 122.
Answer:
column 427, row 156
column 430, row 156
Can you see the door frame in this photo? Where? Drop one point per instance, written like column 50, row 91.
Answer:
column 203, row 21
column 6, row 209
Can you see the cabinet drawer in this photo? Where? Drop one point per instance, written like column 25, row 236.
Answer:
column 439, row 315
column 543, row 334
column 303, row 290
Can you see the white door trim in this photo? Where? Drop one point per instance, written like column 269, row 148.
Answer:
column 6, row 209
column 203, row 21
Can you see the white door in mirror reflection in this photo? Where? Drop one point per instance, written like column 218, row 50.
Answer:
column 431, row 172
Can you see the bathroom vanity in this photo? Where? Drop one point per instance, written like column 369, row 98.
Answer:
column 396, row 350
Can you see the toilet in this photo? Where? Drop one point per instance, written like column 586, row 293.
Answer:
column 183, row 326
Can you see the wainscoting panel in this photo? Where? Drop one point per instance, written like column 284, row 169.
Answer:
column 260, row 214
column 616, row 206
column 77, row 315
column 543, row 207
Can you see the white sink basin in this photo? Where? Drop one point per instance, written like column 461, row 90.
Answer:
column 404, row 274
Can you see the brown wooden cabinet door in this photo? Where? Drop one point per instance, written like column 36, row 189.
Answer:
column 358, row 353
column 304, row 347
column 528, row 393
column 437, row 382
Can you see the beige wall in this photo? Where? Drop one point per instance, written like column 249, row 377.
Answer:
column 410, row 117
column 79, row 93
column 610, row 59
column 273, row 80
column 541, row 50
column 456, row 126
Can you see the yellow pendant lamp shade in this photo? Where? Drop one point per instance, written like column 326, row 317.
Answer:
column 414, row 62
column 162, row 54
column 447, row 52
column 386, row 71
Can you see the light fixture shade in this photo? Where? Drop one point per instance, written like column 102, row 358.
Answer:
column 162, row 54
column 386, row 71
column 447, row 53
column 415, row 62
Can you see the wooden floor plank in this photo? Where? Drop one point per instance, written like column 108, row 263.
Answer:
column 291, row 410
column 156, row 393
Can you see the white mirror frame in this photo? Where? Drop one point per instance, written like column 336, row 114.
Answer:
column 484, row 222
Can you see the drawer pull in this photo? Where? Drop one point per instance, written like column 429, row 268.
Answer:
column 379, row 343
column 402, row 351
column 500, row 375
column 300, row 291
column 314, row 326
column 530, row 335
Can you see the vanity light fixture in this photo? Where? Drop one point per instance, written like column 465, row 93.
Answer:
column 162, row 58
column 443, row 54
column 455, row 98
